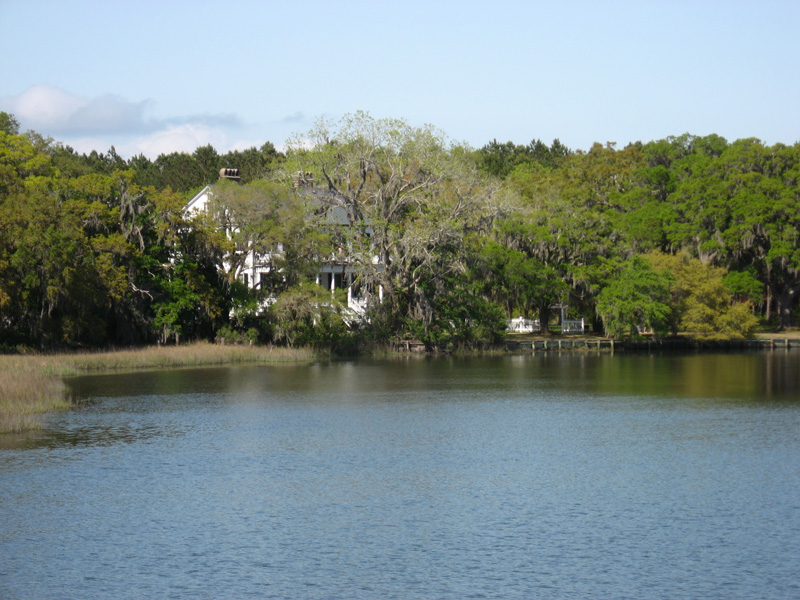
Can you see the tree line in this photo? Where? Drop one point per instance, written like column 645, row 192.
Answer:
column 687, row 234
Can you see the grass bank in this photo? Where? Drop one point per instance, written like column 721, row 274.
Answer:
column 31, row 385
column 25, row 395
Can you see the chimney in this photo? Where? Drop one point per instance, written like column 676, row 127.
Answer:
column 230, row 174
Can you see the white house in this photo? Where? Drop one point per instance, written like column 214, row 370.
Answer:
column 336, row 273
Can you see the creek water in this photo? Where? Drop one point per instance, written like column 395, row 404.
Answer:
column 527, row 476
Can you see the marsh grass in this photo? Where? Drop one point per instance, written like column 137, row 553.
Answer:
column 31, row 385
column 24, row 395
column 165, row 357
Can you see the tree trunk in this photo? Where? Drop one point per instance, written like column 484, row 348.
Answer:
column 768, row 311
column 544, row 320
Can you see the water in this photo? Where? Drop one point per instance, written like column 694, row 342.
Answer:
column 573, row 476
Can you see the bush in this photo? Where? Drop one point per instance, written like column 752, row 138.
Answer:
column 229, row 335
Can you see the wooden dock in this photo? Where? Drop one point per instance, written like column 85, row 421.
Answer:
column 679, row 344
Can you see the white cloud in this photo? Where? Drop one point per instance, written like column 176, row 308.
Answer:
column 97, row 123
column 42, row 105
column 53, row 111
column 110, row 114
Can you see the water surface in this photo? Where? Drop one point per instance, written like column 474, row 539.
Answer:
column 571, row 476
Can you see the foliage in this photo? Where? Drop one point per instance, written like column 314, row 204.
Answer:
column 229, row 335
column 744, row 286
column 308, row 315
column 520, row 283
column 407, row 201
column 266, row 219
column 95, row 259
column 500, row 159
column 9, row 124
column 635, row 300
column 97, row 250
column 456, row 316
column 183, row 172
column 700, row 303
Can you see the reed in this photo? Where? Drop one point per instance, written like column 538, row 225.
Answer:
column 165, row 357
column 31, row 384
column 24, row 395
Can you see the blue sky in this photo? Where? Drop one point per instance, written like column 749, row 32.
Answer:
column 154, row 77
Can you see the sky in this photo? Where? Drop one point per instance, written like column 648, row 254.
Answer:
column 153, row 77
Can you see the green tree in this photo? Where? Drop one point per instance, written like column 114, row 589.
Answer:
column 500, row 159
column 178, row 171
column 9, row 124
column 700, row 303
column 180, row 272
column 518, row 282
column 763, row 191
column 208, row 163
column 456, row 316
column 306, row 314
column 285, row 230
column 636, row 299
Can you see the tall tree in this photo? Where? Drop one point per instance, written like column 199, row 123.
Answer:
column 8, row 124
column 407, row 200
column 635, row 299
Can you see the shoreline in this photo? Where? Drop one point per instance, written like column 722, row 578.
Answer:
column 679, row 344
column 32, row 385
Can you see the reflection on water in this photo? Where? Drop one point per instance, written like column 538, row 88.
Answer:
column 554, row 476
column 755, row 375
column 103, row 435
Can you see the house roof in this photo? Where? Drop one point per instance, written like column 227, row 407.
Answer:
column 199, row 200
column 320, row 199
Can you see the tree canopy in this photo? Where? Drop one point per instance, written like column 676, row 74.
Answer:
column 691, row 235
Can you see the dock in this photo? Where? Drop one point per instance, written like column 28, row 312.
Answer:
column 647, row 345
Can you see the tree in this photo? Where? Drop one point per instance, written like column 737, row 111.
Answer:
column 8, row 124
column 571, row 222
column 306, row 314
column 178, row 171
column 208, row 163
column 500, row 159
column 180, row 271
column 456, row 316
column 518, row 282
column 636, row 299
column 287, row 231
column 763, row 187
column 407, row 200
column 700, row 303
column 737, row 206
